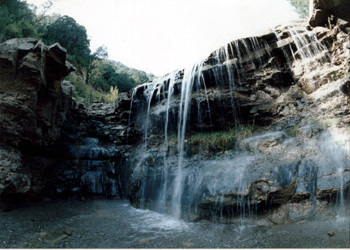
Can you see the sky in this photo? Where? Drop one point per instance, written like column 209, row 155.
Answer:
column 159, row 36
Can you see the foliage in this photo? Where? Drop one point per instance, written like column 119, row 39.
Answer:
column 301, row 7
column 213, row 142
column 103, row 79
column 71, row 36
column 101, row 53
column 16, row 20
column 217, row 141
column 112, row 95
column 138, row 76
column 105, row 73
column 85, row 93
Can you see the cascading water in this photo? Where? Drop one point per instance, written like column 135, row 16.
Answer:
column 179, row 105
column 191, row 75
column 310, row 54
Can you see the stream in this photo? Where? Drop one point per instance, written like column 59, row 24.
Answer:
column 101, row 223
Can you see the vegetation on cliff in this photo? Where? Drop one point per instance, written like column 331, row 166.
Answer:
column 97, row 78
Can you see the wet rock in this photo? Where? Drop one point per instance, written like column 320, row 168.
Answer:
column 279, row 216
column 345, row 86
column 338, row 8
column 143, row 242
column 318, row 18
column 67, row 232
column 187, row 244
column 123, row 101
column 282, row 195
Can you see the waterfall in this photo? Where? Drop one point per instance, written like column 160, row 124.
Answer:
column 191, row 75
column 162, row 198
column 177, row 106
column 309, row 55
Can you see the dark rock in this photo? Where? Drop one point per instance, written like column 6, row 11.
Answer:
column 339, row 8
column 319, row 18
column 123, row 101
column 345, row 86
column 282, row 195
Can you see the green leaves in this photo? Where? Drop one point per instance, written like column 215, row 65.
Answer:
column 104, row 78
column 70, row 35
column 16, row 20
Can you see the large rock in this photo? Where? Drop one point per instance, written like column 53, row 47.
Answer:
column 286, row 83
column 32, row 107
column 322, row 9
column 31, row 93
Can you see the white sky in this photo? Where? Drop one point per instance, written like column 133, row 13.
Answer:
column 159, row 36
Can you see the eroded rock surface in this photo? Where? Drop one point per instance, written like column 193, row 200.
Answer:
column 266, row 135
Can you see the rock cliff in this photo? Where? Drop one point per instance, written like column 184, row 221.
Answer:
column 49, row 144
column 32, row 110
column 260, row 127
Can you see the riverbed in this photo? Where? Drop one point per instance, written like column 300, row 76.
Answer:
column 101, row 223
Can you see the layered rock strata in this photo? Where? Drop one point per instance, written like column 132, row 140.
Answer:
column 284, row 96
column 291, row 84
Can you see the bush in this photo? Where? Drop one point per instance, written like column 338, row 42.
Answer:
column 213, row 142
column 86, row 94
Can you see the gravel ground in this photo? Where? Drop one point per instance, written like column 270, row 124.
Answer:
column 115, row 224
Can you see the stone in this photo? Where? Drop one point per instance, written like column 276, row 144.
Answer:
column 53, row 145
column 123, row 101
column 339, row 8
column 282, row 195
column 331, row 233
column 187, row 244
column 67, row 232
column 345, row 86
column 319, row 18
column 279, row 216
column 13, row 179
column 143, row 242
column 67, row 88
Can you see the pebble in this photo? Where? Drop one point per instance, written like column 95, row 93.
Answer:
column 331, row 233
column 67, row 232
column 187, row 244
column 144, row 241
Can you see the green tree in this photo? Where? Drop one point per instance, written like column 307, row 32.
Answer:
column 301, row 7
column 16, row 20
column 72, row 36
column 101, row 53
column 4, row 18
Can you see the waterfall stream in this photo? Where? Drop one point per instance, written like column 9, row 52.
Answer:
column 254, row 175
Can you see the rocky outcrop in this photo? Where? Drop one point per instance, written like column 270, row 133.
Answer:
column 32, row 109
column 31, row 112
column 291, row 85
column 259, row 128
column 337, row 9
column 49, row 144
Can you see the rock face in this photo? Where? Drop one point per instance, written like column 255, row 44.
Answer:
column 200, row 157
column 260, row 128
column 324, row 8
column 32, row 108
column 49, row 144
